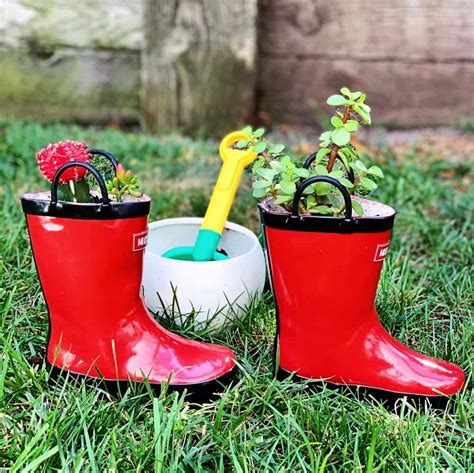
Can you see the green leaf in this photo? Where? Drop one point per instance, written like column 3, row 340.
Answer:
column 276, row 149
column 260, row 147
column 346, row 183
column 351, row 126
column 288, row 187
column 356, row 95
column 342, row 154
column 326, row 136
column 336, row 122
column 310, row 202
column 259, row 162
column 283, row 199
column 336, row 173
column 322, row 209
column 360, row 166
column 259, row 132
column 351, row 152
column 266, row 173
column 336, row 100
column 322, row 188
column 242, row 144
column 247, row 130
column 363, row 113
column 289, row 165
column 135, row 193
column 321, row 154
column 369, row 184
column 341, row 136
column 309, row 190
column 375, row 171
column 302, row 172
column 259, row 193
column 277, row 166
column 320, row 170
column 357, row 207
column 261, row 184
column 335, row 200
column 345, row 91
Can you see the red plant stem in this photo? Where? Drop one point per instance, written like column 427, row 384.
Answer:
column 335, row 148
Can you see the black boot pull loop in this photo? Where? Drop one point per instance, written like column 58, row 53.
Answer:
column 102, row 152
column 310, row 159
column 328, row 180
column 103, row 189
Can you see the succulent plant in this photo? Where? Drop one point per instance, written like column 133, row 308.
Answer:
column 51, row 158
column 72, row 186
column 278, row 175
column 124, row 182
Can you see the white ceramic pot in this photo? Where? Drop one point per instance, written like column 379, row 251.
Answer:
column 214, row 291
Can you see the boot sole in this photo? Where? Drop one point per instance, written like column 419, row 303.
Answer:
column 199, row 392
column 391, row 400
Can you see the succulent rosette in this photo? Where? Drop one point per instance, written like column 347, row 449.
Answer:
column 51, row 158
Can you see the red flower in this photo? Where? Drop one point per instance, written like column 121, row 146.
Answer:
column 51, row 158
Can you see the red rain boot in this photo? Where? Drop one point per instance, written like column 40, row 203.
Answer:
column 89, row 262
column 328, row 329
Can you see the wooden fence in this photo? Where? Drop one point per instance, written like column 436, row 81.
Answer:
column 65, row 60
column 214, row 64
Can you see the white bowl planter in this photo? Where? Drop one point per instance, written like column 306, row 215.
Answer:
column 217, row 291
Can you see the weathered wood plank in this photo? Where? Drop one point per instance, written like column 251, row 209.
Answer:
column 102, row 24
column 414, row 59
column 404, row 30
column 83, row 85
column 198, row 63
column 400, row 95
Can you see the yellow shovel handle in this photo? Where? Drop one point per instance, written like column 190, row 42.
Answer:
column 234, row 162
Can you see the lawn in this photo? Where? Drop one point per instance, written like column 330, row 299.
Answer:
column 259, row 424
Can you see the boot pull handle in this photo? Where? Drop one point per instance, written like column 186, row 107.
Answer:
column 102, row 152
column 91, row 169
column 312, row 157
column 329, row 180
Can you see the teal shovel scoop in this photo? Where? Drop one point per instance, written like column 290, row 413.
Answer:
column 234, row 162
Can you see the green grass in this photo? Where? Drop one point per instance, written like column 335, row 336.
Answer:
column 259, row 424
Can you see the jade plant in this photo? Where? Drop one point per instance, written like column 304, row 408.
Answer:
column 73, row 185
column 278, row 175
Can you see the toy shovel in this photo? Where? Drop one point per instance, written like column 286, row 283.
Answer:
column 234, row 162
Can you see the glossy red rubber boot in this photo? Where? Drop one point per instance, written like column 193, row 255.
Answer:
column 325, row 272
column 89, row 262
